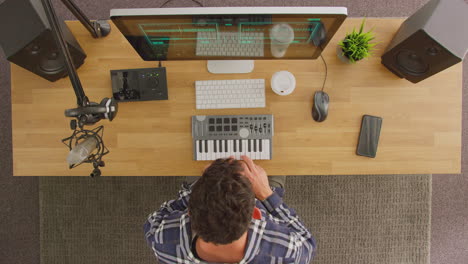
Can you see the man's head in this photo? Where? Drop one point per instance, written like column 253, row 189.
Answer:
column 221, row 203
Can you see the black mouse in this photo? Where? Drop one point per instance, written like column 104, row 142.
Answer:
column 320, row 106
column 319, row 35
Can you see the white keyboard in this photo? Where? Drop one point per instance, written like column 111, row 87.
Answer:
column 235, row 44
column 221, row 94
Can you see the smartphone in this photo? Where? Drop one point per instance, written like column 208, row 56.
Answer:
column 369, row 136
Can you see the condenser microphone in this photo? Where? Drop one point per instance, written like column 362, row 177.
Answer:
column 86, row 146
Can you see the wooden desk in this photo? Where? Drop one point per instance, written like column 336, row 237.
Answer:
column 421, row 130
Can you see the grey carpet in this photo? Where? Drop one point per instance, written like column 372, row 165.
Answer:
column 19, row 196
column 355, row 219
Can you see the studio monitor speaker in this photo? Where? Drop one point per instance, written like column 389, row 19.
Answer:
column 27, row 39
column 431, row 40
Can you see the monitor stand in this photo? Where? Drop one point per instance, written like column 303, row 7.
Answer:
column 230, row 66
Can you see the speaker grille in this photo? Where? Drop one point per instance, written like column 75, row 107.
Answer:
column 411, row 63
column 52, row 64
column 418, row 57
column 42, row 57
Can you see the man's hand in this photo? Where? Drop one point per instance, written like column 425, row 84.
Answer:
column 258, row 178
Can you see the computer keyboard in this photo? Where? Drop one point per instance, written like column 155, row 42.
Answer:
column 245, row 44
column 220, row 94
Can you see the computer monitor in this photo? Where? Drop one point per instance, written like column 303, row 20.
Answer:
column 229, row 38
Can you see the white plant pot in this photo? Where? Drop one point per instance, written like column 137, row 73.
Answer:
column 341, row 56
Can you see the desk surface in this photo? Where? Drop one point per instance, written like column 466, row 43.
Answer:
column 421, row 130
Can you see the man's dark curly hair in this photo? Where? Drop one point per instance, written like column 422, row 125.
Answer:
column 221, row 203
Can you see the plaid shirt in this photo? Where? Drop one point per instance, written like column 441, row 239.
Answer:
column 278, row 237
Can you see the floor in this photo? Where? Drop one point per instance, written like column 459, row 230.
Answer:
column 19, row 215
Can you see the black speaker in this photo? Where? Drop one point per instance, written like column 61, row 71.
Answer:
column 27, row 39
column 431, row 40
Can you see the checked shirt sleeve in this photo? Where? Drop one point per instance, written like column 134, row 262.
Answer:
column 153, row 223
column 304, row 243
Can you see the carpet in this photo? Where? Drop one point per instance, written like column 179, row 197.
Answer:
column 355, row 219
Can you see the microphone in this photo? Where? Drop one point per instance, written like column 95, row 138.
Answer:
column 82, row 151
column 86, row 146
column 91, row 113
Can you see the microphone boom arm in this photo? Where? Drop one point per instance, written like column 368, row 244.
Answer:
column 87, row 113
column 96, row 29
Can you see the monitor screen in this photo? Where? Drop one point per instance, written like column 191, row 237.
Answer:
column 235, row 33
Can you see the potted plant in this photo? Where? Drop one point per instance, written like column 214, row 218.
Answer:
column 356, row 45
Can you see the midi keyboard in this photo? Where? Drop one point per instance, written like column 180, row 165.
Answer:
column 221, row 136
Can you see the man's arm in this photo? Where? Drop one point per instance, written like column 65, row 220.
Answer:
column 155, row 220
column 303, row 242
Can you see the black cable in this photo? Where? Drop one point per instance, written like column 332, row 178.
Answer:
column 326, row 68
column 326, row 72
column 168, row 1
column 160, row 65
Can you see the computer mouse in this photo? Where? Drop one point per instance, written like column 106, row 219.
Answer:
column 319, row 34
column 320, row 106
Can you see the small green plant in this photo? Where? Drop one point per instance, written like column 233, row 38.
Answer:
column 356, row 45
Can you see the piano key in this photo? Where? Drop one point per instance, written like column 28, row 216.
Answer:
column 266, row 155
column 248, row 149
column 210, row 154
column 215, row 146
column 235, row 149
column 257, row 149
column 235, row 144
column 231, row 148
column 227, row 149
column 243, row 147
column 261, row 148
column 204, row 149
column 221, row 154
column 270, row 155
column 218, row 150
column 198, row 151
column 252, row 152
column 217, row 154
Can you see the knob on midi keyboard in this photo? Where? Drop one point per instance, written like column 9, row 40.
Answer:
column 221, row 136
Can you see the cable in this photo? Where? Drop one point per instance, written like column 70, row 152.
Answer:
column 326, row 68
column 326, row 72
column 160, row 64
column 168, row 1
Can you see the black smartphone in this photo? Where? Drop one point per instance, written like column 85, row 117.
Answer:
column 369, row 136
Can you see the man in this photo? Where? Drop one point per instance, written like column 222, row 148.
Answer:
column 229, row 215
